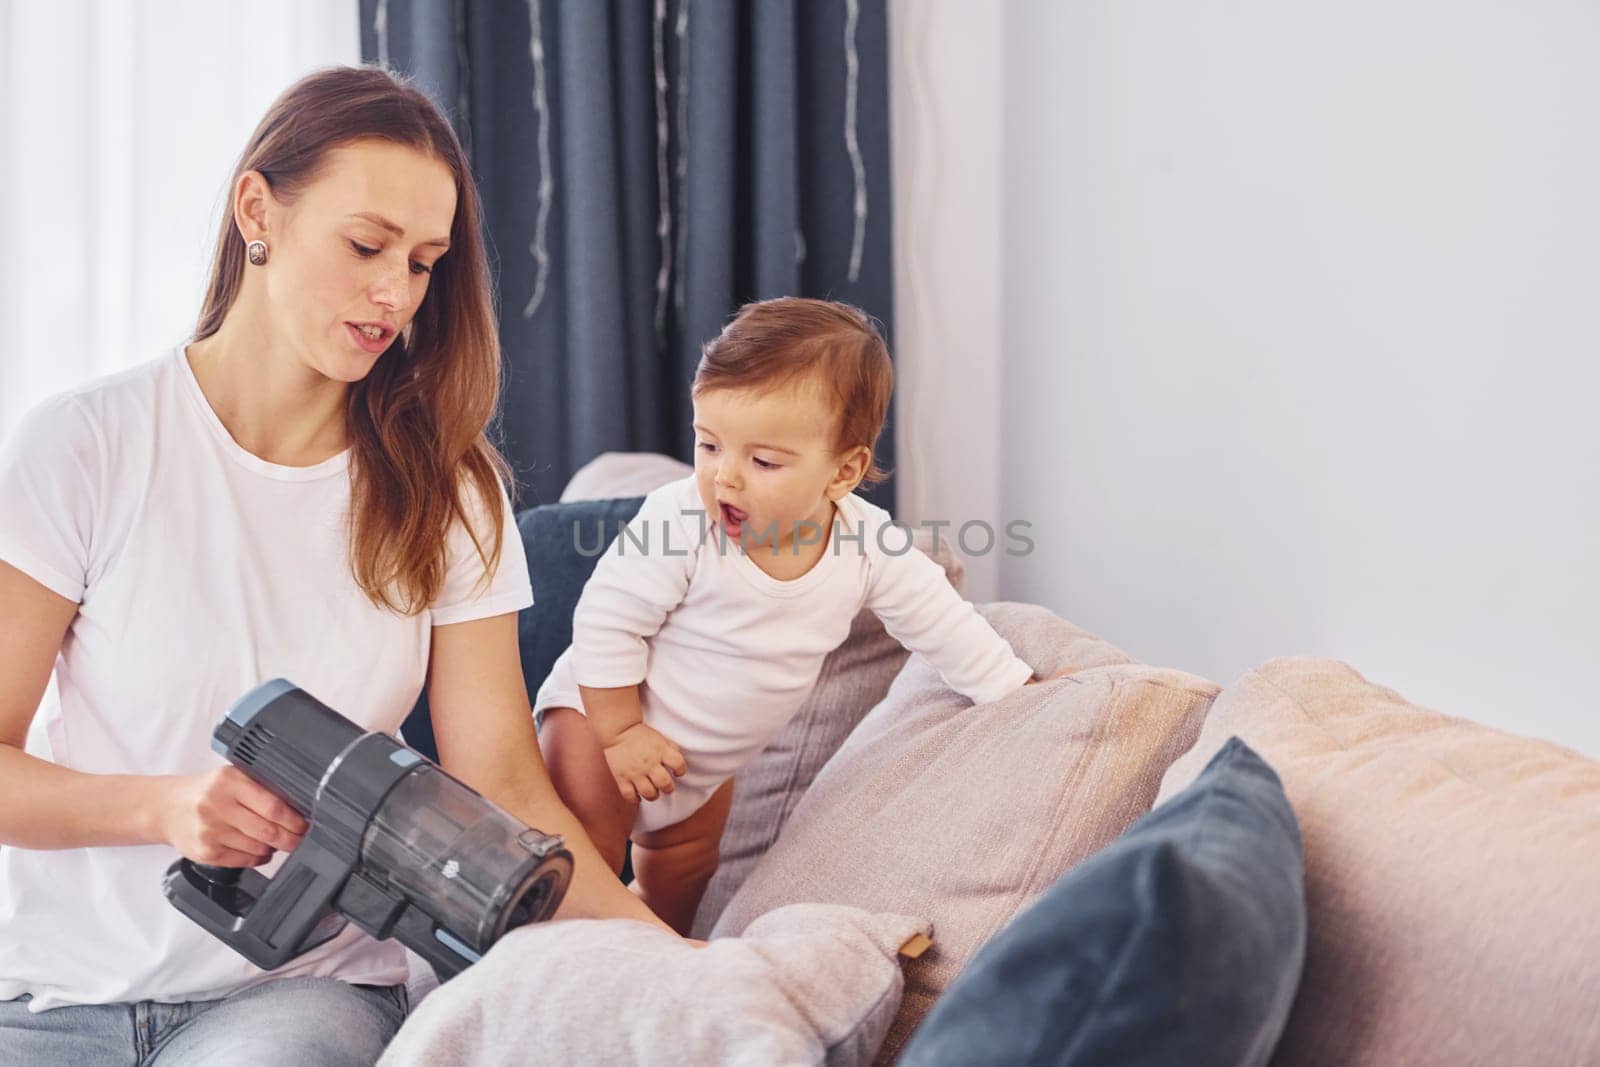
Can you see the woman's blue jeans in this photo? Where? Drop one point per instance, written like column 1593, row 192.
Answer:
column 306, row 1022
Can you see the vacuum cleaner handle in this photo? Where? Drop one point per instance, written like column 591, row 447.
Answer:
column 269, row 921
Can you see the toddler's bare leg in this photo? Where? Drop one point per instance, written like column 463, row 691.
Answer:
column 583, row 780
column 672, row 865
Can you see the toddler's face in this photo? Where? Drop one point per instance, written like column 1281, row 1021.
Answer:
column 765, row 463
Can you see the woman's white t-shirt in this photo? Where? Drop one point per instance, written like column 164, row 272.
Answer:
column 200, row 570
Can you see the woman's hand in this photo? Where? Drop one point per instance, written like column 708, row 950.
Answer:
column 224, row 819
column 644, row 762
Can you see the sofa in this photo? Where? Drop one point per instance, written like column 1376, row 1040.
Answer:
column 1129, row 864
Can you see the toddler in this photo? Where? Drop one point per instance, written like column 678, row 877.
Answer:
column 704, row 625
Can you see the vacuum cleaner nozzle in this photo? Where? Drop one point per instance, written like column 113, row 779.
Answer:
column 394, row 844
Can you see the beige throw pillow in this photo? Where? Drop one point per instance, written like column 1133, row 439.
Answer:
column 809, row 984
column 966, row 813
column 1452, row 874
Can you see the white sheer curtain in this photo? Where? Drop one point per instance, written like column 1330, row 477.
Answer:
column 947, row 111
column 119, row 126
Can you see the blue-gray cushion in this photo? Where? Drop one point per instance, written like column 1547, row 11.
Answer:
column 1181, row 942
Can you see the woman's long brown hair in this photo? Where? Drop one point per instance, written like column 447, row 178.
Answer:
column 418, row 422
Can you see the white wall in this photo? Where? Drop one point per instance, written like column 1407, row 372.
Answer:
column 119, row 126
column 1299, row 343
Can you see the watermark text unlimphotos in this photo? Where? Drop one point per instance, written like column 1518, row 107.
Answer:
column 894, row 538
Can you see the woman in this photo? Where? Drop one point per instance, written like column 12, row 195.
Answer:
column 305, row 489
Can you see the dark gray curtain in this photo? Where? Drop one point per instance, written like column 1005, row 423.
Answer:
column 646, row 167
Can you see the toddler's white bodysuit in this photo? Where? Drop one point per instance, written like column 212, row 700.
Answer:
column 725, row 655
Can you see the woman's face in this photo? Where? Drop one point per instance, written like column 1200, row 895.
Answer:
column 349, row 261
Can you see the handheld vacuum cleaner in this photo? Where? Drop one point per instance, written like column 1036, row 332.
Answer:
column 394, row 844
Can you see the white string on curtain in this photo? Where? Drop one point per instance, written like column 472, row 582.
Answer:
column 119, row 126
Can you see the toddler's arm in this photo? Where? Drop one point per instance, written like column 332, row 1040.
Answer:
column 642, row 761
column 921, row 609
column 639, row 579
column 611, row 711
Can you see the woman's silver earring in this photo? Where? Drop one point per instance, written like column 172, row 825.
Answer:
column 256, row 252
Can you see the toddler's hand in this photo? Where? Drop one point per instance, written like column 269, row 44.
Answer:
column 643, row 762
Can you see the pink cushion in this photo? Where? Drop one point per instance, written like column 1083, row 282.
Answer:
column 965, row 813
column 1452, row 873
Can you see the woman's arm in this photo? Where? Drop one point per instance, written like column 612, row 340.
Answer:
column 484, row 728
column 44, row 805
